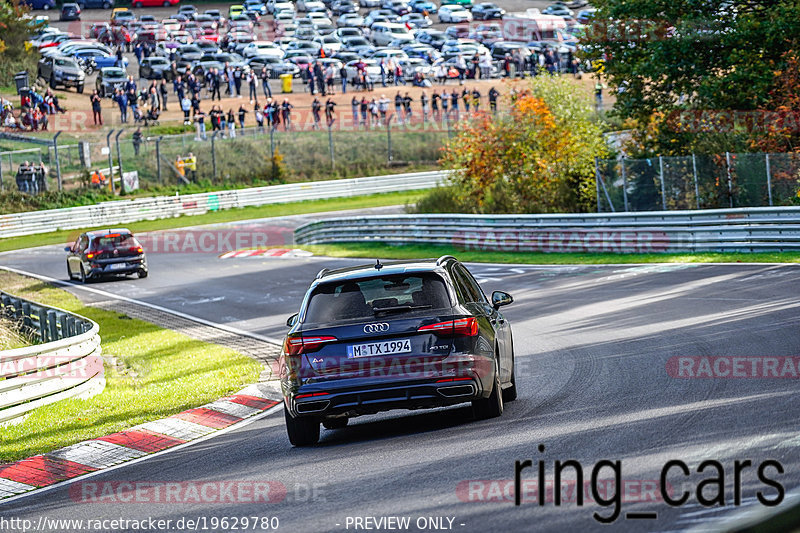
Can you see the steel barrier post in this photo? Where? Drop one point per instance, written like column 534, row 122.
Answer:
column 110, row 161
column 769, row 179
column 122, row 190
column 58, row 161
column 624, row 185
column 661, row 177
column 158, row 159
column 730, row 178
column 696, row 188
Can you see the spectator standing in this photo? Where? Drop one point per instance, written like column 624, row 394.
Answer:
column 374, row 114
column 286, row 110
column 343, row 76
column 319, row 77
column 355, row 105
column 383, row 108
column 97, row 109
column 265, row 75
column 216, row 85
column 435, row 98
column 423, row 100
column 137, row 141
column 122, row 101
column 329, row 110
column 476, row 99
column 237, row 81
column 200, row 125
column 163, row 93
column 407, row 100
column 260, row 116
column 315, row 110
column 231, row 123
column 364, row 105
column 493, row 94
column 191, row 165
column 454, row 105
column 251, row 81
column 186, row 107
column 398, row 107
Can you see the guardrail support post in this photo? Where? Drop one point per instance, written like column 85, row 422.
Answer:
column 730, row 178
column 661, row 177
column 769, row 179
column 696, row 188
column 214, row 155
column 122, row 190
column 330, row 144
column 158, row 159
column 58, row 161
column 52, row 326
column 110, row 161
column 624, row 185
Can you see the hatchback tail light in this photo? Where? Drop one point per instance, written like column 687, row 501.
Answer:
column 296, row 345
column 467, row 327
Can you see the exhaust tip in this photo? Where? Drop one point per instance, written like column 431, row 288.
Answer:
column 454, row 391
column 313, row 407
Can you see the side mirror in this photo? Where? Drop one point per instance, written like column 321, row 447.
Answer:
column 292, row 320
column 500, row 298
column 68, row 248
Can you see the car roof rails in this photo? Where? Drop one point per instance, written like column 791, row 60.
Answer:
column 444, row 259
column 322, row 273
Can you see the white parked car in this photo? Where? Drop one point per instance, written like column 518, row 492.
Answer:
column 453, row 14
column 310, row 5
column 262, row 48
column 319, row 18
column 384, row 33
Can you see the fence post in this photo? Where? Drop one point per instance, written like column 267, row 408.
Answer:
column 158, row 159
column 330, row 143
column 624, row 185
column 769, row 179
column 597, row 183
column 389, row 137
column 661, row 177
column 122, row 190
column 730, row 178
column 58, row 161
column 272, row 149
column 214, row 155
column 110, row 161
column 696, row 188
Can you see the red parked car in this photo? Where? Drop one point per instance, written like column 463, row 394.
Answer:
column 154, row 3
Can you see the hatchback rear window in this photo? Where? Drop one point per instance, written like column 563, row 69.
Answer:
column 378, row 296
column 113, row 240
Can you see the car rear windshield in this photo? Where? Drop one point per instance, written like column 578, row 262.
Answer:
column 113, row 241
column 382, row 296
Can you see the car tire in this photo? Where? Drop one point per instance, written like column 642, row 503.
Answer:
column 142, row 274
column 136, row 5
column 106, row 5
column 166, row 4
column 303, row 431
column 46, row 7
column 335, row 423
column 69, row 272
column 53, row 83
column 80, row 89
column 83, row 275
column 492, row 406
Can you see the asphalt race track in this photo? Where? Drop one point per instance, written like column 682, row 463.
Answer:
column 593, row 351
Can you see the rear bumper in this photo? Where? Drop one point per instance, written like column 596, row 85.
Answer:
column 110, row 269
column 370, row 399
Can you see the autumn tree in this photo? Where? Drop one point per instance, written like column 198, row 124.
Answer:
column 537, row 158
column 15, row 30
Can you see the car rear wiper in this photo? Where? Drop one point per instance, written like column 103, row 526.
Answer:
column 400, row 308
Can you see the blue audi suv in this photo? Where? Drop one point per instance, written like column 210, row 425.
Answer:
column 401, row 335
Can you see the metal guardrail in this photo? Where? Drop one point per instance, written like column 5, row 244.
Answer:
column 126, row 211
column 67, row 363
column 723, row 230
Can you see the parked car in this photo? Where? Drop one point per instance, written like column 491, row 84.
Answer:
column 111, row 252
column 154, row 3
column 155, row 68
column 453, row 14
column 95, row 4
column 487, row 11
column 70, row 11
column 429, row 317
column 422, row 6
column 40, row 4
column 110, row 79
column 61, row 71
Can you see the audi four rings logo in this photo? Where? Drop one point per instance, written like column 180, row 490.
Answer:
column 376, row 328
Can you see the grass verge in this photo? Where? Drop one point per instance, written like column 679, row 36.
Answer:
column 383, row 251
column 10, row 336
column 227, row 215
column 155, row 373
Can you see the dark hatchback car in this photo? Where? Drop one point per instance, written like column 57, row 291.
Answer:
column 111, row 252
column 404, row 335
column 70, row 11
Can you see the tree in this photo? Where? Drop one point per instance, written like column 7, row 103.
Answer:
column 667, row 57
column 538, row 158
column 16, row 54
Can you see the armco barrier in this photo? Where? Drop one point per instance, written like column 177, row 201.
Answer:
column 67, row 363
column 747, row 229
column 126, row 211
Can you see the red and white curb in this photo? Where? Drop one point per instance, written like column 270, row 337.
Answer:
column 270, row 252
column 134, row 443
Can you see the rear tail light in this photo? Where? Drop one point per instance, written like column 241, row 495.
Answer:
column 137, row 249
column 448, row 380
column 90, row 255
column 300, row 345
column 311, row 394
column 462, row 326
